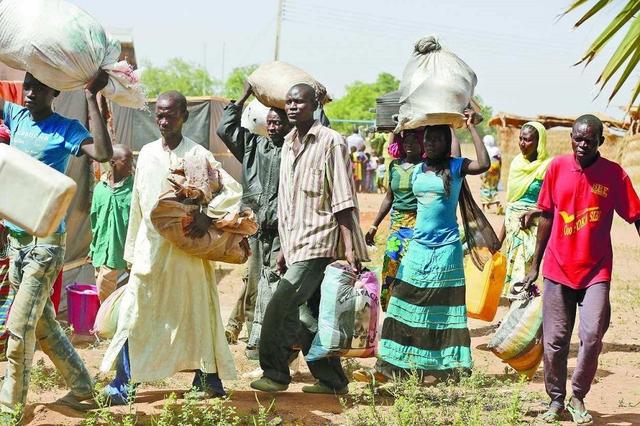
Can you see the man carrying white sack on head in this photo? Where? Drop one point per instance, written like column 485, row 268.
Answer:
column 170, row 312
column 35, row 262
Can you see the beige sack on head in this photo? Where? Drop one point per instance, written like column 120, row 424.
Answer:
column 272, row 80
column 63, row 46
column 436, row 87
column 254, row 118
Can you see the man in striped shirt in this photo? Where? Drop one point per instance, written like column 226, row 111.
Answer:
column 318, row 223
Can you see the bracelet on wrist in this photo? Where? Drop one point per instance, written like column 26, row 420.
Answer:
column 374, row 227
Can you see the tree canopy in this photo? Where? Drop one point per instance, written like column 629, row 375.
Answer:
column 359, row 101
column 234, row 86
column 190, row 79
column 193, row 80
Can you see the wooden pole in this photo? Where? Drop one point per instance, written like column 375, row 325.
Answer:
column 276, row 55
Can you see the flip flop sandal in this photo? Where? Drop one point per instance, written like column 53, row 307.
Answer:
column 78, row 403
column 582, row 418
column 550, row 416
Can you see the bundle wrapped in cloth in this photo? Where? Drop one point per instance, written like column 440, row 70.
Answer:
column 194, row 186
column 436, row 87
column 518, row 340
column 63, row 47
column 106, row 321
column 272, row 80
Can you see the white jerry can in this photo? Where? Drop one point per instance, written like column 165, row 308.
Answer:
column 33, row 195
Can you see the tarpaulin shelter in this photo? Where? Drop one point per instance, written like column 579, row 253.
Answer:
column 133, row 128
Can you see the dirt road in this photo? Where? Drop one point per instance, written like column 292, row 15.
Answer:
column 614, row 399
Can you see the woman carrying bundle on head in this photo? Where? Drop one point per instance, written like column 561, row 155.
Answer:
column 425, row 329
column 520, row 227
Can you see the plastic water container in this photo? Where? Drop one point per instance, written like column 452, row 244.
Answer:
column 33, row 195
column 483, row 288
column 254, row 118
column 82, row 307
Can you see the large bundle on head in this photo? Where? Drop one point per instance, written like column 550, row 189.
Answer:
column 436, row 87
column 63, row 47
column 272, row 80
column 254, row 118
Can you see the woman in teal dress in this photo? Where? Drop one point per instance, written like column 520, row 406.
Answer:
column 425, row 329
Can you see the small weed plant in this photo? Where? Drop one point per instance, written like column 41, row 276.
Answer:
column 44, row 377
column 103, row 416
column 193, row 412
column 475, row 400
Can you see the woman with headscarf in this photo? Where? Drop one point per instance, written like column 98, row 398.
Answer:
column 407, row 150
column 491, row 179
column 518, row 233
column 425, row 330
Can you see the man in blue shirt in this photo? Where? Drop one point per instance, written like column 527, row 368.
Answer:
column 35, row 262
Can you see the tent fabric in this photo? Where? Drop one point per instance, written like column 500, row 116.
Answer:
column 74, row 105
column 133, row 128
column 136, row 128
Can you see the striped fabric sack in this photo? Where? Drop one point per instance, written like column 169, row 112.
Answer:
column 518, row 339
column 348, row 318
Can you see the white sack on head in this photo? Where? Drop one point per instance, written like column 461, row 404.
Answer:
column 436, row 87
column 254, row 118
column 63, row 47
column 272, row 80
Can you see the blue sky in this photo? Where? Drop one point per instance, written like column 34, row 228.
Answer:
column 521, row 53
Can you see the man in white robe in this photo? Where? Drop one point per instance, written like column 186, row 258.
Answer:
column 170, row 313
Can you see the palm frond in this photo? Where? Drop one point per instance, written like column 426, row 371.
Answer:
column 627, row 47
column 611, row 30
column 631, row 65
column 626, row 55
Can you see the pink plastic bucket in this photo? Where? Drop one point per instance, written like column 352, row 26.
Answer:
column 82, row 307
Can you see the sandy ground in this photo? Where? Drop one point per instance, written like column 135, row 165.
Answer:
column 614, row 399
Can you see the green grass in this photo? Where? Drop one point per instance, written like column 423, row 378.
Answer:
column 44, row 377
column 474, row 400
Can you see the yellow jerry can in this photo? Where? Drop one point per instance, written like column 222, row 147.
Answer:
column 483, row 288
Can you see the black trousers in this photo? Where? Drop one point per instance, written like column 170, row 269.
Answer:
column 291, row 319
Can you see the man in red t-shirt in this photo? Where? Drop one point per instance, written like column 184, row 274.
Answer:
column 579, row 194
